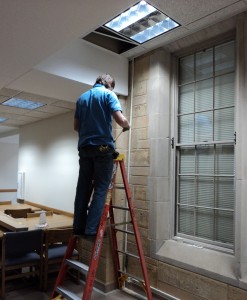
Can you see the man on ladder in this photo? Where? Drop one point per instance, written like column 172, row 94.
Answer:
column 93, row 122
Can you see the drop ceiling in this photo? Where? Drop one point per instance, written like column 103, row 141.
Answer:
column 32, row 31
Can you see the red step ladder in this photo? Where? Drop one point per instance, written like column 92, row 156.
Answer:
column 90, row 271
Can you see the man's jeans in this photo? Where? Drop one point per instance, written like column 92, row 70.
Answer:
column 95, row 168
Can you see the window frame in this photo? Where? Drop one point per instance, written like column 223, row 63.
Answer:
column 189, row 239
column 164, row 245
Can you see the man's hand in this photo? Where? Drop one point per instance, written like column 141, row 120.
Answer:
column 126, row 129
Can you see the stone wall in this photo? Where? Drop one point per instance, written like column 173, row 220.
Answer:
column 146, row 118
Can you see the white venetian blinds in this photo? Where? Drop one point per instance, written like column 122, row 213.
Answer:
column 205, row 145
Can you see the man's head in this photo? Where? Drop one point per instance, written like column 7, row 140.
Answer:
column 107, row 80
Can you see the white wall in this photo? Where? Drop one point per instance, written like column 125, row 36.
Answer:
column 83, row 62
column 48, row 156
column 8, row 169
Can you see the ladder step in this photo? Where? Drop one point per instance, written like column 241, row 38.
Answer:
column 128, row 254
column 118, row 187
column 120, row 207
column 125, row 231
column 77, row 265
column 67, row 293
column 122, row 223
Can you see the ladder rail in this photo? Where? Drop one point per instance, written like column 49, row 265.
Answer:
column 95, row 257
column 136, row 230
column 115, row 246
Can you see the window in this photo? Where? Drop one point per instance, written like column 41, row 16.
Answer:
column 205, row 146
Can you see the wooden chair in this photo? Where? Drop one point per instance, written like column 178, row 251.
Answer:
column 55, row 245
column 5, row 202
column 21, row 256
column 37, row 214
column 18, row 213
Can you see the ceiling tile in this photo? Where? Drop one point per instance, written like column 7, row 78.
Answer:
column 189, row 11
column 230, row 11
column 198, row 38
column 39, row 114
column 12, row 110
column 65, row 104
column 8, row 92
column 52, row 109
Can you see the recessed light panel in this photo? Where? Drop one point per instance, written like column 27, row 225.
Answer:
column 20, row 103
column 2, row 120
column 142, row 22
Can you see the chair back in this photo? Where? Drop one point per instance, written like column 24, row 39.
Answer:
column 55, row 246
column 21, row 242
column 21, row 250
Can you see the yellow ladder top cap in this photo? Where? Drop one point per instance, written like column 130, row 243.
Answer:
column 120, row 156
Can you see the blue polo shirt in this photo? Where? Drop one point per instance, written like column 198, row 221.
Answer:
column 94, row 111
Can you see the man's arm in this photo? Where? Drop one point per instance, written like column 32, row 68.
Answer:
column 121, row 120
column 76, row 124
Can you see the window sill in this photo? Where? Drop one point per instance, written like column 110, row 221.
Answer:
column 213, row 264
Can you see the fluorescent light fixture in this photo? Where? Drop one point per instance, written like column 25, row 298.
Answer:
column 21, row 103
column 2, row 120
column 142, row 22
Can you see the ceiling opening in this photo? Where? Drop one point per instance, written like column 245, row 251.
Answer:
column 135, row 26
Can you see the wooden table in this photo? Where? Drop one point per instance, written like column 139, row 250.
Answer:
column 19, row 224
column 54, row 221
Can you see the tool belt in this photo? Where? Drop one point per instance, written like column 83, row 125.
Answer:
column 104, row 148
column 101, row 148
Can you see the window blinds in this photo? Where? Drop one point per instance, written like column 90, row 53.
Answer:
column 205, row 145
